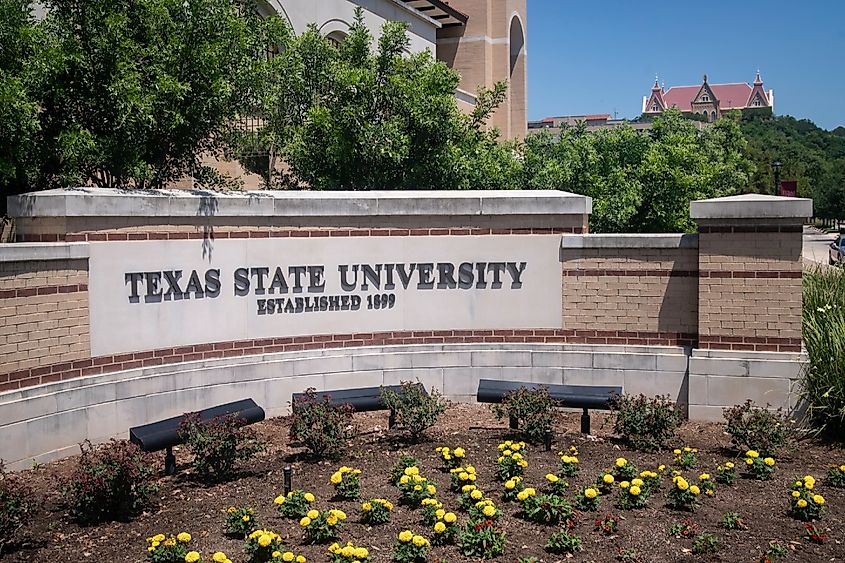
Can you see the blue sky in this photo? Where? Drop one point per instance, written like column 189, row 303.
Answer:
column 601, row 56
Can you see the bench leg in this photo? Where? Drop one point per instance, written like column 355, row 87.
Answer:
column 585, row 422
column 391, row 421
column 513, row 423
column 169, row 462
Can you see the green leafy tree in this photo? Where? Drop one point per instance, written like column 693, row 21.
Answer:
column 137, row 92
column 354, row 117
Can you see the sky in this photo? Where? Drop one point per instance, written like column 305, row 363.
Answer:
column 601, row 56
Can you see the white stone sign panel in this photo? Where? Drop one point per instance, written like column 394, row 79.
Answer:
column 147, row 295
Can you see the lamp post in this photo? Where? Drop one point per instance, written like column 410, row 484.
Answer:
column 776, row 165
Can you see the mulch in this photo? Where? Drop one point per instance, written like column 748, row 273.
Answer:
column 183, row 504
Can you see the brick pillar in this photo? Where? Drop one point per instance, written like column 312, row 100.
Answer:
column 749, row 326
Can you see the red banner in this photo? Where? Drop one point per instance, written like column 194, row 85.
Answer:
column 789, row 188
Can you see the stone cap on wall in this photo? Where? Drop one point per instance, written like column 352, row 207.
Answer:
column 42, row 251
column 629, row 240
column 752, row 206
column 103, row 202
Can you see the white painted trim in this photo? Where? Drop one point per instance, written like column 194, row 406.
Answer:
column 43, row 251
column 474, row 39
column 624, row 241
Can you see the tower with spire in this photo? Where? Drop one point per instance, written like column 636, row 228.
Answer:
column 709, row 101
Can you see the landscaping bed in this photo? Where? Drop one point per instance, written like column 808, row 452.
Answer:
column 184, row 505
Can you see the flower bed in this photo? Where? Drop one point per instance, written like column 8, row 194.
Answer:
column 642, row 519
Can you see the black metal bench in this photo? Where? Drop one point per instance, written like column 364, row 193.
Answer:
column 364, row 399
column 575, row 396
column 164, row 434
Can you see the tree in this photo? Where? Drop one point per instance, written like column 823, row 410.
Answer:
column 18, row 111
column 350, row 117
column 136, row 92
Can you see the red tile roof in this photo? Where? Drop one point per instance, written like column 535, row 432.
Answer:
column 729, row 95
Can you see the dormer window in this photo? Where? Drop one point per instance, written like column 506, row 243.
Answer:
column 705, row 98
column 654, row 107
column 756, row 103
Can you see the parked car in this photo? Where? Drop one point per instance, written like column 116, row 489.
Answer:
column 837, row 251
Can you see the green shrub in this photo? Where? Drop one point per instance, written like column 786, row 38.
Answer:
column 647, row 424
column 325, row 429
column 481, row 540
column 733, row 521
column 757, row 428
column 563, row 542
column 16, row 507
column 416, row 410
column 705, row 543
column 110, row 482
column 823, row 383
column 545, row 509
column 533, row 409
column 218, row 444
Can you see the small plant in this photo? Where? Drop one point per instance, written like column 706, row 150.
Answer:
column 563, row 542
column 836, row 476
column 460, row 476
column 482, row 540
column 682, row 495
column 545, row 509
column 416, row 410
column 173, row 549
column 648, row 424
column 813, row 534
column 705, row 543
column 431, row 507
column 556, row 485
column 414, row 487
column 757, row 428
column 607, row 525
column 376, row 511
column 631, row 495
column 726, row 473
column 349, row 553
column 527, row 560
column 295, row 505
column 398, row 468
column 651, row 481
column 347, row 483
column 411, row 548
column 804, row 503
column 627, row 555
column 684, row 529
column 321, row 527
column 706, row 485
column 485, row 509
column 588, row 499
column 511, row 461
column 773, row 551
column 623, row 470
column 451, row 458
column 605, row 481
column 220, row 557
column 324, row 428
column 16, row 506
column 110, row 482
column 533, row 409
column 513, row 487
column 240, row 521
column 733, row 521
column 260, row 546
column 470, row 494
column 569, row 463
column 218, row 444
column 445, row 529
column 686, row 457
column 759, row 467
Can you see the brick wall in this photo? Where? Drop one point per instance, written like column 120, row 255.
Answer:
column 43, row 316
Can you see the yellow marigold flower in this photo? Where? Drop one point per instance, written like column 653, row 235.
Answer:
column 661, row 467
column 809, row 486
column 520, row 496
column 476, row 494
column 151, row 549
column 842, row 468
column 729, row 465
column 624, row 484
column 608, row 478
column 509, row 485
column 552, row 478
column 276, row 554
column 305, row 522
column 419, row 541
column 160, row 537
column 440, row 513
column 279, row 500
column 459, row 452
column 339, row 514
column 403, row 480
column 749, row 461
column 170, row 542
column 507, row 453
column 347, row 551
column 431, row 489
column 245, row 517
column 331, row 520
column 695, row 490
column 489, row 511
column 463, row 475
column 313, row 514
column 412, row 470
column 192, row 557
column 361, row 553
column 470, row 468
column 231, row 509
column 795, row 494
column 802, row 503
column 417, row 487
column 704, row 476
column 406, row 536
column 809, row 478
column 634, row 490
column 300, row 559
column 753, row 454
column 621, row 462
column 769, row 461
column 450, row 518
column 590, row 493
column 687, row 449
column 637, row 482
column 366, row 507
column 530, row 491
column 336, row 478
column 264, row 540
column 308, row 497
column 219, row 557
column 682, row 484
column 288, row 556
column 676, row 451
column 184, row 537
column 818, row 499
column 439, row 528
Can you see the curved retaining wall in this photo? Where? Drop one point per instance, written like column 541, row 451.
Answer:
column 49, row 421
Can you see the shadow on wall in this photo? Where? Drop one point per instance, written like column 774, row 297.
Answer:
column 679, row 308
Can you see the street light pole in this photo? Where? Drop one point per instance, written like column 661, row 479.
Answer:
column 776, row 168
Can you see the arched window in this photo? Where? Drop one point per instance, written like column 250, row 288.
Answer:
column 517, row 42
column 654, row 107
column 712, row 116
column 335, row 38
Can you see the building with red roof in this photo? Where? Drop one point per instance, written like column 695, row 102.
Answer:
column 707, row 100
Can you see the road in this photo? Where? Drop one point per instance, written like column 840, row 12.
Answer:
column 816, row 245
